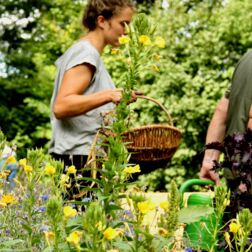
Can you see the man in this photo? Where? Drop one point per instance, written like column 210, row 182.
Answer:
column 233, row 114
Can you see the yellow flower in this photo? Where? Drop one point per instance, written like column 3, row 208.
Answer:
column 227, row 237
column 113, row 250
column 69, row 212
column 115, row 51
column 11, row 160
column 49, row 170
column 7, row 172
column 3, row 204
column 124, row 40
column 28, row 168
column 145, row 206
column 159, row 42
column 74, row 238
column 8, row 199
column 164, row 205
column 100, row 226
column 234, row 227
column 110, row 233
column 162, row 231
column 226, row 202
column 144, row 40
column 71, row 169
column 22, row 162
column 3, row 175
column 49, row 235
column 132, row 169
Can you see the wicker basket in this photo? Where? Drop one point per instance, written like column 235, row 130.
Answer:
column 155, row 144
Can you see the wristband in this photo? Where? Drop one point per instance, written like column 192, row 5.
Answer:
column 214, row 145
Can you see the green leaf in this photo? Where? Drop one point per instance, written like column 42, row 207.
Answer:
column 194, row 213
column 10, row 244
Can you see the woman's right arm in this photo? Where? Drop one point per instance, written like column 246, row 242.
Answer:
column 70, row 100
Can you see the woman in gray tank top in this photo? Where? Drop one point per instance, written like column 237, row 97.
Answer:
column 83, row 88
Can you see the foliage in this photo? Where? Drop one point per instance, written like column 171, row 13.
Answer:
column 237, row 167
column 204, row 41
column 41, row 208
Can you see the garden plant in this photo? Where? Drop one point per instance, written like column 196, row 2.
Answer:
column 36, row 216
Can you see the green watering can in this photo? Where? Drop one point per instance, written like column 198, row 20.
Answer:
column 199, row 232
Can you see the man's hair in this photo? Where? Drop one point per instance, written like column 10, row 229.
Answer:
column 105, row 8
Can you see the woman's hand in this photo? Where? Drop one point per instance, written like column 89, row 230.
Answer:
column 134, row 95
column 115, row 95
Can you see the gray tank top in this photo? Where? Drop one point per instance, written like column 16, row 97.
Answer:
column 74, row 135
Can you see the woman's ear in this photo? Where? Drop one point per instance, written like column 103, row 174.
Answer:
column 101, row 22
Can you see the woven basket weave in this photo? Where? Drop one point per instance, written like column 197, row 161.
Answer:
column 155, row 143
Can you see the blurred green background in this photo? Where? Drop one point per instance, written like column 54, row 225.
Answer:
column 204, row 41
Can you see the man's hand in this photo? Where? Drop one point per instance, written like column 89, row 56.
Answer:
column 206, row 171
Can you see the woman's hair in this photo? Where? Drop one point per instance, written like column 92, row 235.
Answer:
column 105, row 8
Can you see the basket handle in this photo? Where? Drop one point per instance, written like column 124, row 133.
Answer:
column 158, row 103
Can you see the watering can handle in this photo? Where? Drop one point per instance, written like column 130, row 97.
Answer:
column 186, row 185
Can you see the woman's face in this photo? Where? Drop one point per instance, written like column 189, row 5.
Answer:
column 115, row 27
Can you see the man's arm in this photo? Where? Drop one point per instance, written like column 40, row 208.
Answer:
column 215, row 133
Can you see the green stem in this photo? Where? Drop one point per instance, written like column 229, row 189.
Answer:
column 216, row 230
column 244, row 242
column 56, row 243
column 249, row 248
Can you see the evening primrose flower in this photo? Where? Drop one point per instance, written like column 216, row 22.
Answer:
column 115, row 51
column 8, row 199
column 162, row 231
column 145, row 206
column 100, row 226
column 3, row 175
column 226, row 202
column 164, row 205
column 110, row 233
column 144, row 40
column 124, row 40
column 234, row 227
column 71, row 170
column 74, row 238
column 28, row 168
column 11, row 160
column 49, row 235
column 159, row 42
column 22, row 162
column 7, row 172
column 49, row 170
column 132, row 169
column 69, row 212
column 227, row 239
column 227, row 236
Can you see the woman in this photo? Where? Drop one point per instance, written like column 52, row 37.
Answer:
column 83, row 87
